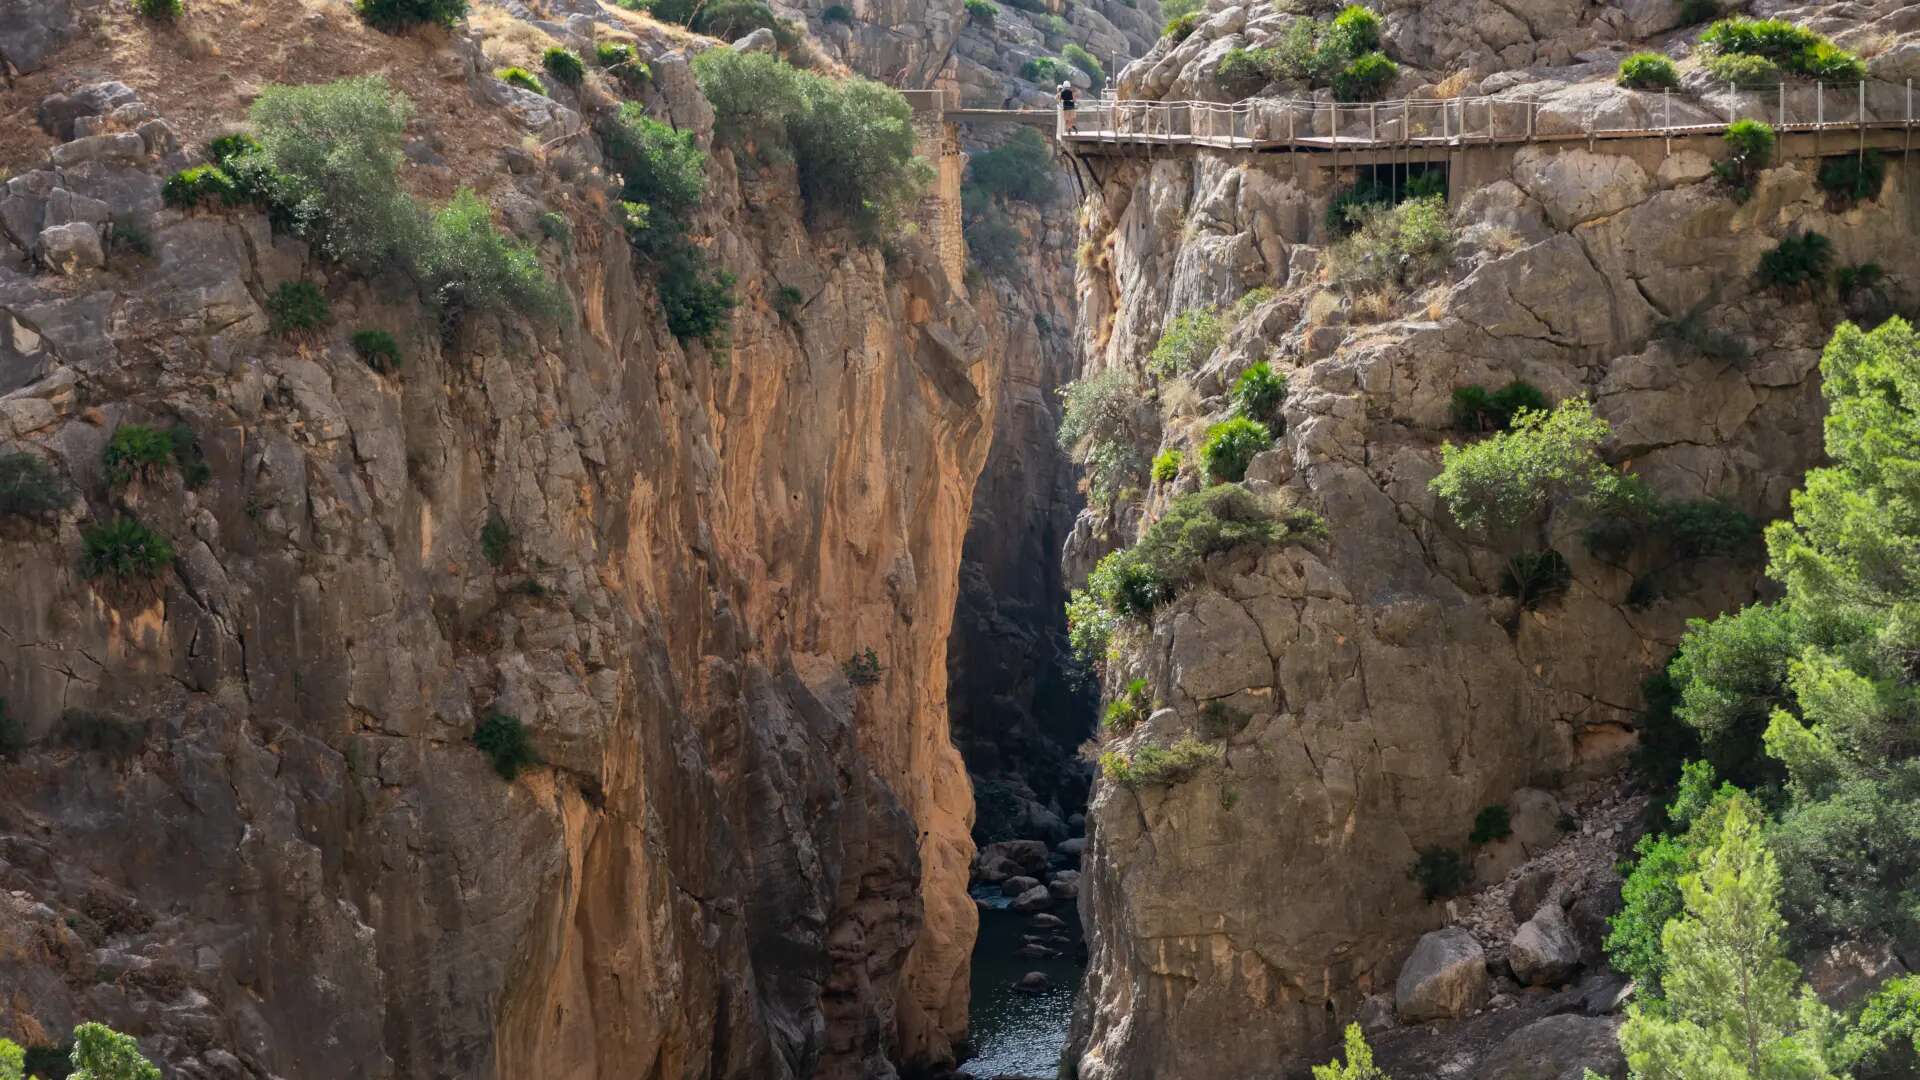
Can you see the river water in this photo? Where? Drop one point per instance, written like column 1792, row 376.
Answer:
column 1011, row 1033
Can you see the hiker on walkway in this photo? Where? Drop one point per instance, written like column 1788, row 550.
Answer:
column 1065, row 94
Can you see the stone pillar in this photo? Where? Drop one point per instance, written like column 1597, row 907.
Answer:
column 939, row 210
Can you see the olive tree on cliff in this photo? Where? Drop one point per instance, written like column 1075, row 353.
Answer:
column 851, row 140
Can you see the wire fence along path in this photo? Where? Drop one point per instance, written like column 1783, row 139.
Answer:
column 1281, row 124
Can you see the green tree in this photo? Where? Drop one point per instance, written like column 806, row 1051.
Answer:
column 1545, row 461
column 1827, row 674
column 1359, row 1065
column 13, row 1060
column 101, row 1053
column 330, row 154
column 1736, row 1008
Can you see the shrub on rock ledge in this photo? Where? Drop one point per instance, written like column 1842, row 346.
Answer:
column 29, row 487
column 1648, row 71
column 564, row 65
column 123, row 550
column 1230, row 447
column 505, row 742
column 1152, row 765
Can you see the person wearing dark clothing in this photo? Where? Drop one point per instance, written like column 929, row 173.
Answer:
column 1066, row 103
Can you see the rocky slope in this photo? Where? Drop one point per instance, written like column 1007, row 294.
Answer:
column 1238, row 919
column 732, row 861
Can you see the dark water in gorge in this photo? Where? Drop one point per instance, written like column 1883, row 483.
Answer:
column 1010, row 1032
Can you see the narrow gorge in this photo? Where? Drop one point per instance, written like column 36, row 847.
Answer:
column 741, row 539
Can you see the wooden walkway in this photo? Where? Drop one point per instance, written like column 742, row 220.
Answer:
column 1278, row 125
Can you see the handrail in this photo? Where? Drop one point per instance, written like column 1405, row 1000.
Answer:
column 1484, row 119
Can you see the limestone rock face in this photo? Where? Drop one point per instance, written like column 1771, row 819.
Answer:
column 1392, row 691
column 730, row 861
column 1446, row 977
column 1544, row 951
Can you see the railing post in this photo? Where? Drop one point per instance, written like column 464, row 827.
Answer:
column 1373, row 122
column 1783, row 107
column 1860, row 119
column 1733, row 105
column 1666, row 116
column 1406, row 119
column 1533, row 106
column 1446, row 122
column 1819, row 113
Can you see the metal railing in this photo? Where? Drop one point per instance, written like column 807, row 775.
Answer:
column 1489, row 119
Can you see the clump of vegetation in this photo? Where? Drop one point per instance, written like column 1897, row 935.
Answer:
column 1743, row 71
column 851, row 139
column 564, row 65
column 1079, row 57
column 1345, row 211
column 1020, row 168
column 1132, row 582
column 1477, row 409
column 1648, row 71
column 841, row 13
column 1797, row 263
column 1749, row 148
column 468, row 265
column 522, row 78
column 1096, row 427
column 194, row 470
column 297, row 306
column 1246, row 69
column 159, row 10
column 1230, row 446
column 377, row 349
column 1190, row 338
column 1857, row 278
column 123, row 550
column 1359, row 1064
column 1693, row 331
column 506, row 743
column 1252, row 299
column 1492, row 823
column 394, row 15
column 496, row 539
column 1180, row 27
column 663, row 174
column 983, row 12
column 29, row 488
column 1544, row 460
column 863, row 668
column 623, row 63
column 1167, row 463
column 1129, row 707
column 1853, row 178
column 1441, row 872
column 1793, row 48
column 1394, row 247
column 190, row 188
column 1046, row 70
column 1365, row 78
column 1153, row 765
column 1259, row 392
column 135, row 450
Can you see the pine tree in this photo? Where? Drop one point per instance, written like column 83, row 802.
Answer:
column 1736, row 1008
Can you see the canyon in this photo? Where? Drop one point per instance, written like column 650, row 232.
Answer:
column 781, row 612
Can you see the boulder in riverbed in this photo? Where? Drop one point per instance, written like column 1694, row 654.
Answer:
column 1445, row 978
column 1544, row 951
column 1034, row 899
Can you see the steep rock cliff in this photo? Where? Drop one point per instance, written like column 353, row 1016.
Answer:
column 732, row 862
column 1237, row 919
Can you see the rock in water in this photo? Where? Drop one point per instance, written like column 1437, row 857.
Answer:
column 1446, row 977
column 1034, row 982
column 1544, row 951
column 1034, row 899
